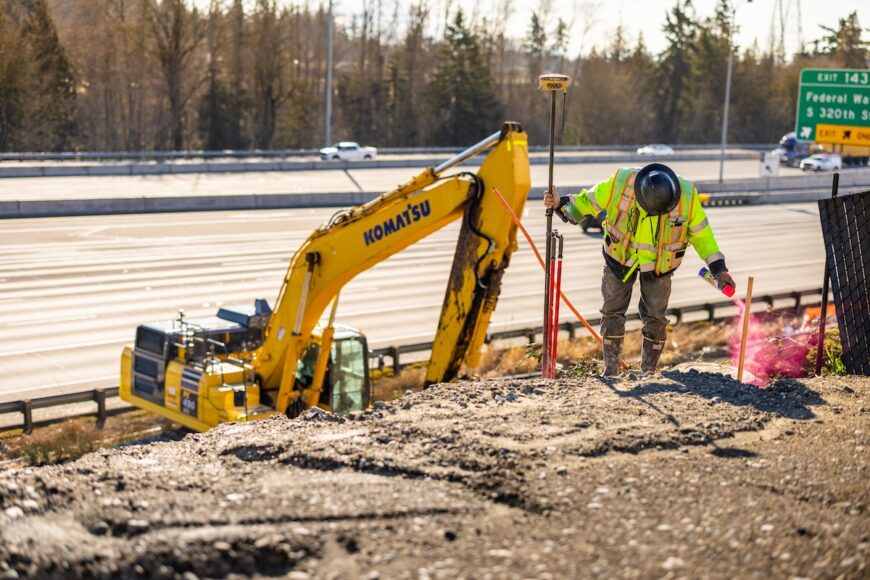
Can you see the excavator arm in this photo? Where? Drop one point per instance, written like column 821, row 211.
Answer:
column 361, row 237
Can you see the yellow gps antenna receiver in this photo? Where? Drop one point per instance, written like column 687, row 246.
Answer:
column 553, row 83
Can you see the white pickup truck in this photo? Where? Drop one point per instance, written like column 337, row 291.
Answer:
column 348, row 151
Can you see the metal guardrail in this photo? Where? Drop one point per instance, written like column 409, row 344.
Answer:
column 27, row 406
column 278, row 153
column 395, row 352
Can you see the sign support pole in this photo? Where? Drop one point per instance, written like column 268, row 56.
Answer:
column 823, row 315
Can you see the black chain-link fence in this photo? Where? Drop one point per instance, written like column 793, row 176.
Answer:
column 846, row 230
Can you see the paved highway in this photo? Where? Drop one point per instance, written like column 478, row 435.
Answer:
column 322, row 181
column 72, row 290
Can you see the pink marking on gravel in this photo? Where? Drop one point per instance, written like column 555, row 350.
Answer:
column 768, row 357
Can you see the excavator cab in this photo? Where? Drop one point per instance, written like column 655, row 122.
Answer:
column 346, row 385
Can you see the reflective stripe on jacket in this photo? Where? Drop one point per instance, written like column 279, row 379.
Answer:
column 639, row 241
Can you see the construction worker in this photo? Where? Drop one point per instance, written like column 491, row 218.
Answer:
column 652, row 215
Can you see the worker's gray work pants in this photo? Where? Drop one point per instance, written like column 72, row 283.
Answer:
column 655, row 291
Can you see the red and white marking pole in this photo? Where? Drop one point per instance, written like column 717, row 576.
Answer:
column 556, row 292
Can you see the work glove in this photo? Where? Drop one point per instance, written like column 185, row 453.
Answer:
column 724, row 279
column 720, row 273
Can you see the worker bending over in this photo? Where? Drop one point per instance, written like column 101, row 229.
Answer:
column 652, row 215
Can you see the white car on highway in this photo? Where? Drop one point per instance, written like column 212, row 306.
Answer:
column 822, row 162
column 348, row 151
column 655, row 149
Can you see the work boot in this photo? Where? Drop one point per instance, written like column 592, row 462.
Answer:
column 612, row 349
column 652, row 352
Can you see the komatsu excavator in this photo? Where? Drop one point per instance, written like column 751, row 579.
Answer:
column 250, row 363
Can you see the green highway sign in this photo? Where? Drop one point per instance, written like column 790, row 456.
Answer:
column 834, row 106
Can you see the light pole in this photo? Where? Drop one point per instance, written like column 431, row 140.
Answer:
column 327, row 138
column 727, row 91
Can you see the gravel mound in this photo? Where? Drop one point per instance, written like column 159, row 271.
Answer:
column 683, row 474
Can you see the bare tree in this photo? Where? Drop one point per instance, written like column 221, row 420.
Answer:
column 268, row 71
column 177, row 31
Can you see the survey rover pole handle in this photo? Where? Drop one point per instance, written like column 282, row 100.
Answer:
column 551, row 83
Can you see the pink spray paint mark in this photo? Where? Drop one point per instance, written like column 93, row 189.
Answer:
column 768, row 358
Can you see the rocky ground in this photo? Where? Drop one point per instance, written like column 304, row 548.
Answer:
column 683, row 475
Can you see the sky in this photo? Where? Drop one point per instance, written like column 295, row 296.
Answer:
column 600, row 17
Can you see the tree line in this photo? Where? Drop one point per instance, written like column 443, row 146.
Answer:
column 232, row 74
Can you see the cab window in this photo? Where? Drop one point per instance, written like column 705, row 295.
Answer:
column 348, row 376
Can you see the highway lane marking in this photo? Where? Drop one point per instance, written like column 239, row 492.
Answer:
column 114, row 377
column 72, row 346
column 90, row 232
column 360, row 295
column 33, row 321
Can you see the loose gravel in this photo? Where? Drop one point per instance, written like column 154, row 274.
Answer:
column 685, row 474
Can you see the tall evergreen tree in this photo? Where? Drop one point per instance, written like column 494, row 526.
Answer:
column 269, row 78
column 52, row 126
column 702, row 108
column 674, row 69
column 461, row 98
column 845, row 43
column 215, row 122
column 14, row 73
column 237, row 72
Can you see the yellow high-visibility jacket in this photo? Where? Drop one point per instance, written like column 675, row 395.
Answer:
column 639, row 241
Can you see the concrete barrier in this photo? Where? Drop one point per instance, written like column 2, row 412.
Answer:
column 161, row 167
column 78, row 207
column 788, row 189
column 848, row 178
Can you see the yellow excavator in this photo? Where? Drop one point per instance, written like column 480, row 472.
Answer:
column 252, row 362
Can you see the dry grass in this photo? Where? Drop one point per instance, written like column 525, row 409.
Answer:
column 510, row 361
column 74, row 437
column 389, row 387
column 60, row 442
column 684, row 341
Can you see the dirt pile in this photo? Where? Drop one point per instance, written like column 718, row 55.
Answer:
column 686, row 474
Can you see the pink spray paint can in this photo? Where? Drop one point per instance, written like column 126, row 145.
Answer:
column 727, row 289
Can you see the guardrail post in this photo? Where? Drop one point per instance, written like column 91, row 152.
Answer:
column 27, row 411
column 572, row 330
column 678, row 313
column 711, row 310
column 394, row 352
column 797, row 301
column 100, row 398
column 769, row 300
column 532, row 335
